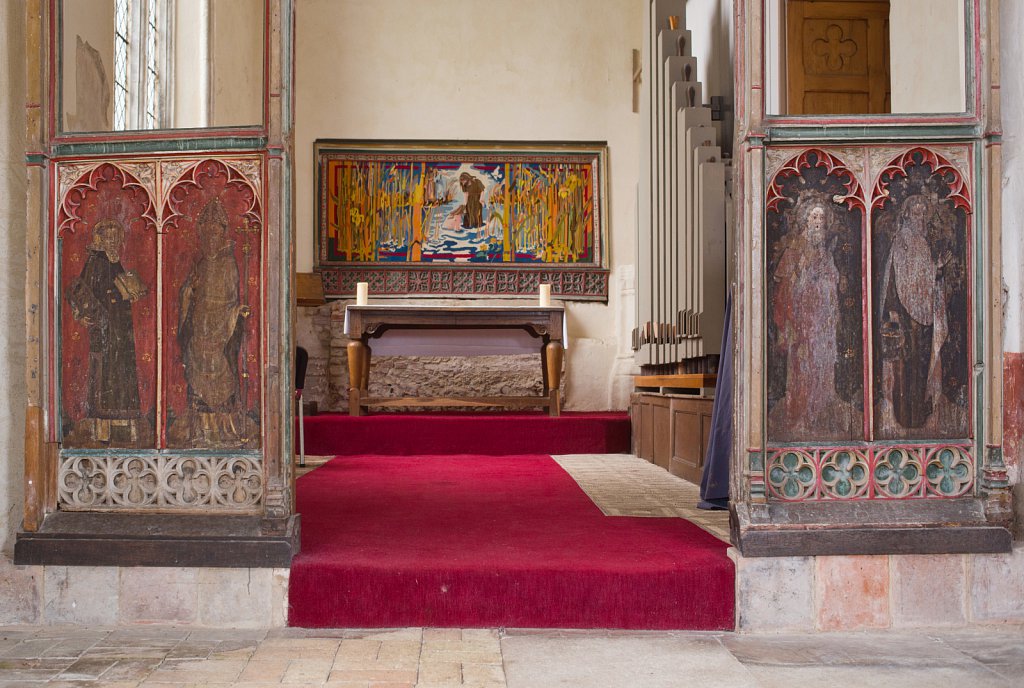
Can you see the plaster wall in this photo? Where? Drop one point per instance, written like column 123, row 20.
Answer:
column 236, row 66
column 1012, row 95
column 534, row 70
column 191, row 59
column 927, row 79
column 774, row 57
column 93, row 22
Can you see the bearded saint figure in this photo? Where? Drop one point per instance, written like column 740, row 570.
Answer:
column 472, row 211
column 806, row 315
column 101, row 298
column 913, row 322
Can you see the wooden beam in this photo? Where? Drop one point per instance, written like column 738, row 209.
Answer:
column 686, row 381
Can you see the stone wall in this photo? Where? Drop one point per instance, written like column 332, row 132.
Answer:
column 112, row 596
column 849, row 593
column 321, row 332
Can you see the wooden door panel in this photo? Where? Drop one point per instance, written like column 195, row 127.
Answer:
column 834, row 103
column 837, row 56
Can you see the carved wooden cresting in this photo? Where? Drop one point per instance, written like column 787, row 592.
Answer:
column 681, row 252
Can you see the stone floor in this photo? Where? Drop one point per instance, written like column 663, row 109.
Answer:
column 173, row 657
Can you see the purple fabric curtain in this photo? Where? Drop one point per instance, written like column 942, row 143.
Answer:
column 714, row 483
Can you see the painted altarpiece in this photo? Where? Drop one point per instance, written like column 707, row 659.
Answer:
column 433, row 218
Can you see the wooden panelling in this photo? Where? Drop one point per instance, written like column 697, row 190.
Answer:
column 837, row 56
column 661, row 429
column 687, row 457
column 672, row 431
column 691, row 427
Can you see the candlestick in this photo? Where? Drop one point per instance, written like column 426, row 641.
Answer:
column 545, row 296
column 362, row 293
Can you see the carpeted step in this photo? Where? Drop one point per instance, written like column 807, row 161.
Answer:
column 493, row 541
column 333, row 434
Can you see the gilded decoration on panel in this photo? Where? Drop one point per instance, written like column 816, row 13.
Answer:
column 107, row 311
column 211, row 310
column 920, row 283
column 814, row 228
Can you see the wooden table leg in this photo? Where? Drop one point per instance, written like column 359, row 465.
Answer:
column 358, row 370
column 553, row 353
column 544, row 369
column 366, row 369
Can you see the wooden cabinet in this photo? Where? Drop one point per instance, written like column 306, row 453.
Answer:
column 672, row 431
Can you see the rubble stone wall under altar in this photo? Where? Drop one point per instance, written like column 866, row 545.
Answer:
column 321, row 331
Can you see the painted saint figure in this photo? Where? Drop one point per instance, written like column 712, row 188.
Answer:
column 101, row 298
column 912, row 321
column 806, row 315
column 210, row 332
column 472, row 211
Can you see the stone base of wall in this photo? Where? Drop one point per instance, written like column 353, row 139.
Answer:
column 845, row 593
column 113, row 596
column 780, row 594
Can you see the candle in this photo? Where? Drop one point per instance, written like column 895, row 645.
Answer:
column 362, row 292
column 545, row 296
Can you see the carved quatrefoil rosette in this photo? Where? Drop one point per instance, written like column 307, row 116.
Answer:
column 844, row 474
column 791, row 475
column 898, row 473
column 949, row 472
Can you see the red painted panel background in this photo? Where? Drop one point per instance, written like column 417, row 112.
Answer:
column 106, row 193
column 187, row 199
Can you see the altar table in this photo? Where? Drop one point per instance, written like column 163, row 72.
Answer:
column 454, row 331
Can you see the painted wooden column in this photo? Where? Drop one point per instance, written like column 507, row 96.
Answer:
column 868, row 321
column 159, row 297
column 39, row 461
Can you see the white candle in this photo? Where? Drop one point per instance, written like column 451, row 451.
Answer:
column 362, row 293
column 545, row 296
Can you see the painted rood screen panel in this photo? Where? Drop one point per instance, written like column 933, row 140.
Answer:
column 815, row 330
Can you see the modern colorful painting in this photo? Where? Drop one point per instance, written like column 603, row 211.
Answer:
column 432, row 204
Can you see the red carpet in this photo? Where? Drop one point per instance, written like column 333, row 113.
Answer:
column 492, row 541
column 332, row 434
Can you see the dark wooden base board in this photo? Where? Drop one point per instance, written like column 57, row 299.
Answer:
column 112, row 539
column 848, row 541
column 836, row 529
